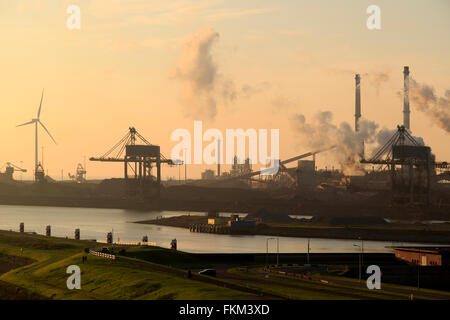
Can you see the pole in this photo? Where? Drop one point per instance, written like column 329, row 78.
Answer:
column 418, row 272
column 362, row 252
column 307, row 255
column 36, row 151
column 267, row 251
column 218, row 157
column 278, row 249
column 185, row 170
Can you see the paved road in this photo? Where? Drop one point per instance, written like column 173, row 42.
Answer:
column 321, row 288
column 385, row 290
column 197, row 277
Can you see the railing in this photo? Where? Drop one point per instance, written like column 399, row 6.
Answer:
column 136, row 243
column 103, row 255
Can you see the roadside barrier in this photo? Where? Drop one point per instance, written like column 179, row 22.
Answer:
column 300, row 275
column 103, row 255
column 136, row 243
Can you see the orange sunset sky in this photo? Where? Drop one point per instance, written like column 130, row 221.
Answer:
column 135, row 63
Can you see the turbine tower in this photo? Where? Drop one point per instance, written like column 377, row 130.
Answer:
column 37, row 121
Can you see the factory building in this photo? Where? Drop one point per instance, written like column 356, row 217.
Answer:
column 424, row 256
column 208, row 174
column 306, row 173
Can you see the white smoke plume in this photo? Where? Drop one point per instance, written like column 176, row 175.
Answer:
column 376, row 79
column 373, row 78
column 204, row 87
column 198, row 71
column 426, row 101
column 321, row 133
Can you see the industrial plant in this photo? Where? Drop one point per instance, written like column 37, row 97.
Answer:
column 401, row 173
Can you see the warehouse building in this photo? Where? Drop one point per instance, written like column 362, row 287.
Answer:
column 424, row 256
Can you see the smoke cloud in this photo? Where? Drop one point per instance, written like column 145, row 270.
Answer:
column 321, row 133
column 198, row 72
column 204, row 87
column 426, row 101
column 376, row 79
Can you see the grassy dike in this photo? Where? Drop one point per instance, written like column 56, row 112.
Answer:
column 101, row 278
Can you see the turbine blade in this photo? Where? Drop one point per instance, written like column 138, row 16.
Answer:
column 47, row 131
column 40, row 104
column 26, row 123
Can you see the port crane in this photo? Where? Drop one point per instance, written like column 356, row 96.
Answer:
column 80, row 175
column 139, row 156
column 10, row 169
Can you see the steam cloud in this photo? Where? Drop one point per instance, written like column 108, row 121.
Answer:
column 377, row 78
column 204, row 88
column 198, row 71
column 425, row 100
column 322, row 133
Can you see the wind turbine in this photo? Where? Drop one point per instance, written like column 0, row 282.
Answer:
column 37, row 121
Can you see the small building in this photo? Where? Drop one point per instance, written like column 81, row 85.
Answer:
column 424, row 256
column 208, row 175
column 306, row 173
column 242, row 224
column 234, row 217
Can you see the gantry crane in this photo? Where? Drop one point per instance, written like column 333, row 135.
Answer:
column 412, row 167
column 80, row 175
column 139, row 158
column 10, row 169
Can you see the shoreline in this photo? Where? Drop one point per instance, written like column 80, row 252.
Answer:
column 398, row 233
column 289, row 206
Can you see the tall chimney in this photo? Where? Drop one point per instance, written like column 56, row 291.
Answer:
column 406, row 98
column 218, row 158
column 357, row 102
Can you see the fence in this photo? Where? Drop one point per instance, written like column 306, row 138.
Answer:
column 136, row 243
column 103, row 255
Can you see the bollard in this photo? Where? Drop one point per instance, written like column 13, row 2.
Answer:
column 48, row 231
column 77, row 234
column 173, row 244
column 22, row 227
column 109, row 238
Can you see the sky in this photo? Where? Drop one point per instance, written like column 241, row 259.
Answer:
column 160, row 65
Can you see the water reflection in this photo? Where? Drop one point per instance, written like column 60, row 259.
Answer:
column 95, row 223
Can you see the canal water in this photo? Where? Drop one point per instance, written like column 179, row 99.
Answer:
column 95, row 223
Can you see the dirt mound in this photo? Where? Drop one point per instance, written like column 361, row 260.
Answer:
column 187, row 192
column 267, row 216
column 361, row 220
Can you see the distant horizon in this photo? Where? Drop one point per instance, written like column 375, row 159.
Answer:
column 235, row 64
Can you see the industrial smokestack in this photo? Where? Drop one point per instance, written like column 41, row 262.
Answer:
column 406, row 98
column 357, row 102
column 358, row 109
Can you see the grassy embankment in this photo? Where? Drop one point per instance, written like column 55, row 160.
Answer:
column 45, row 275
column 338, row 287
column 100, row 279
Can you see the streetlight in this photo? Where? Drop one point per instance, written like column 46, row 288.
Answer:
column 307, row 254
column 418, row 271
column 360, row 257
column 267, row 249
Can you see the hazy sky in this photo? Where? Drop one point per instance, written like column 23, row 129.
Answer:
column 127, row 67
